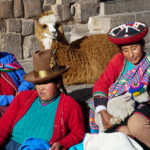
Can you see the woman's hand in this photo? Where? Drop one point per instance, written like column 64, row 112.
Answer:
column 56, row 146
column 106, row 119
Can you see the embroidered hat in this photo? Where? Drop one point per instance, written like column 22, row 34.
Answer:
column 45, row 67
column 128, row 33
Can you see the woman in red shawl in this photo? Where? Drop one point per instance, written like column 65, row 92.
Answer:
column 131, row 66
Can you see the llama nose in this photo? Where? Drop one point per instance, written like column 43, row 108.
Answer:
column 52, row 29
column 53, row 32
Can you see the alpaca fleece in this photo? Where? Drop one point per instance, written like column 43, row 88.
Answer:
column 87, row 56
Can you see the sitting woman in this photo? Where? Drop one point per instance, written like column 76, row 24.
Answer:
column 45, row 113
column 11, row 80
column 129, row 67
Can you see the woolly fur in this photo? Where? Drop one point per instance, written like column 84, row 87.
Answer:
column 87, row 56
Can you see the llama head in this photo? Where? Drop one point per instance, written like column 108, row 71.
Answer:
column 48, row 28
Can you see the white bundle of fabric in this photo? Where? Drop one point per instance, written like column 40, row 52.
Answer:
column 121, row 107
column 110, row 141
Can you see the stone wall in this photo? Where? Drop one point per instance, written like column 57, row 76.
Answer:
column 79, row 17
column 17, row 21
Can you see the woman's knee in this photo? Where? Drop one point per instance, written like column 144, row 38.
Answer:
column 136, row 123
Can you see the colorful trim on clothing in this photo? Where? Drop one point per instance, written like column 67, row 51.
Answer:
column 93, row 127
column 13, row 65
column 139, row 73
column 100, row 94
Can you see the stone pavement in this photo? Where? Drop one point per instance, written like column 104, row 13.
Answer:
column 80, row 92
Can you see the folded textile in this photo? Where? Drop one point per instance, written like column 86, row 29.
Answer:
column 110, row 141
column 34, row 144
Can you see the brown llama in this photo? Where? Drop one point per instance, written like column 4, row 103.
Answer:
column 87, row 56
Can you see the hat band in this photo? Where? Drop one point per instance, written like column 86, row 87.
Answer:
column 42, row 73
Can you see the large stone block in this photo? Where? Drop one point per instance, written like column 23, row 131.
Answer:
column 124, row 18
column 11, row 42
column 101, row 24
column 27, row 27
column 94, row 1
column 104, row 23
column 49, row 2
column 64, row 1
column 6, row 9
column 32, row 8
column 63, row 11
column 47, row 7
column 79, row 29
column 82, row 11
column 14, row 25
column 75, row 37
column 122, row 6
column 67, row 36
column 2, row 26
column 30, row 45
column 143, row 17
column 66, row 28
column 18, row 8
column 140, row 5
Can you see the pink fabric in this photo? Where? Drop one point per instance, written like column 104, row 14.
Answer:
column 68, row 126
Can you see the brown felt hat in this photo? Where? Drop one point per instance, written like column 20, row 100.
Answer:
column 45, row 67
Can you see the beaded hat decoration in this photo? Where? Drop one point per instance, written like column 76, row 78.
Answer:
column 45, row 67
column 128, row 33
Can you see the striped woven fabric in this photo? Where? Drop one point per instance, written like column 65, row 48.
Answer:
column 139, row 73
column 11, row 66
column 93, row 127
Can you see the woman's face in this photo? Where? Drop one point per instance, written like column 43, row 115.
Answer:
column 47, row 91
column 133, row 53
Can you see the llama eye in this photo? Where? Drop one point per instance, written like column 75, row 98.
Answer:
column 44, row 26
column 56, row 25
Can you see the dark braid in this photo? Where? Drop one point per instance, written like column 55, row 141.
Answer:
column 62, row 87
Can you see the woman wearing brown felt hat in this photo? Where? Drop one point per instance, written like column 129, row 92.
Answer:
column 45, row 113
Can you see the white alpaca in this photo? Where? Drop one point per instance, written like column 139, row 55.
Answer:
column 121, row 107
column 87, row 57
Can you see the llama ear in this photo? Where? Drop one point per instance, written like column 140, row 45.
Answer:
column 35, row 20
column 60, row 29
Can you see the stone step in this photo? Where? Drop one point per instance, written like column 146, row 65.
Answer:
column 80, row 92
column 103, row 23
column 76, row 31
column 121, row 6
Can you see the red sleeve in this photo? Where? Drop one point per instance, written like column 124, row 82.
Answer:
column 13, row 113
column 110, row 74
column 75, row 121
column 7, row 120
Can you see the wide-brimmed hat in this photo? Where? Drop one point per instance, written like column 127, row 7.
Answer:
column 128, row 33
column 45, row 67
